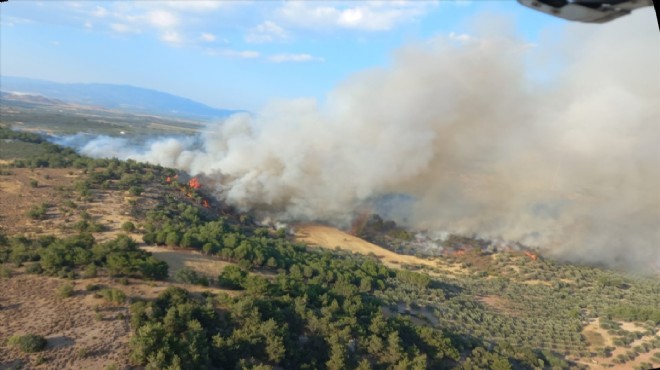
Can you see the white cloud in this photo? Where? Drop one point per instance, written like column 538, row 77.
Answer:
column 351, row 16
column 230, row 53
column 267, row 31
column 73, row 4
column 122, row 28
column 88, row 24
column 172, row 37
column 161, row 18
column 196, row 5
column 246, row 54
column 12, row 21
column 279, row 58
column 208, row 37
column 366, row 16
column 100, row 12
column 462, row 37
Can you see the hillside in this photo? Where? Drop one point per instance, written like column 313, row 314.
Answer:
column 93, row 249
column 36, row 113
column 124, row 97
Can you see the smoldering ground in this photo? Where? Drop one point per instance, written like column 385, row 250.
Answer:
column 479, row 131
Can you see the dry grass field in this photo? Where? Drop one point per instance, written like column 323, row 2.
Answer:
column 331, row 238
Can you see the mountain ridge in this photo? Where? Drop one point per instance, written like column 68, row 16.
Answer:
column 115, row 96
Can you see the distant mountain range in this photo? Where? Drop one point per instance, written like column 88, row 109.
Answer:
column 120, row 97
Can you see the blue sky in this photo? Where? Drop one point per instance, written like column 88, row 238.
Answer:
column 236, row 54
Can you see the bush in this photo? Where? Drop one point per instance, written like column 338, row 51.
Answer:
column 90, row 271
column 5, row 272
column 135, row 191
column 93, row 287
column 34, row 268
column 34, row 183
column 187, row 275
column 84, row 352
column 232, row 277
column 37, row 212
column 65, row 291
column 113, row 295
column 128, row 227
column 28, row 343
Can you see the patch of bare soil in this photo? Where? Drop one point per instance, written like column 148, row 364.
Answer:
column 498, row 304
column 631, row 326
column 109, row 208
column 536, row 282
column 77, row 339
column 417, row 316
column 17, row 196
column 208, row 266
column 598, row 337
column 180, row 258
column 330, row 237
column 83, row 331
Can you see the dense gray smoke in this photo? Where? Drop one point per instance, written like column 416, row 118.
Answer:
column 469, row 129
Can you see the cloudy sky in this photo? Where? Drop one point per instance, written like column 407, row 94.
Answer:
column 237, row 54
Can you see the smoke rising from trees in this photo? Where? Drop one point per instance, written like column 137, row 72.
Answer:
column 467, row 128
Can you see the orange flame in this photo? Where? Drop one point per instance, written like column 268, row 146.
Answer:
column 194, row 183
column 531, row 255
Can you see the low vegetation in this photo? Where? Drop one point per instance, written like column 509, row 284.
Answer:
column 279, row 304
column 80, row 254
column 28, row 343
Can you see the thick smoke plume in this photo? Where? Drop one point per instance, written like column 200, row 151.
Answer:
column 468, row 129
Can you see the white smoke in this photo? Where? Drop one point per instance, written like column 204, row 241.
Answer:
column 571, row 163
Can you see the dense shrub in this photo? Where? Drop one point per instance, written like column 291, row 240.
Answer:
column 34, row 268
column 113, row 295
column 28, row 343
column 38, row 212
column 128, row 227
column 65, row 291
column 187, row 275
column 65, row 257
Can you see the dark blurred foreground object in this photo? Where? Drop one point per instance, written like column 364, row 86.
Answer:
column 589, row 11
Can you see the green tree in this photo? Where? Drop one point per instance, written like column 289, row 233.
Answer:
column 232, row 277
column 128, row 226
